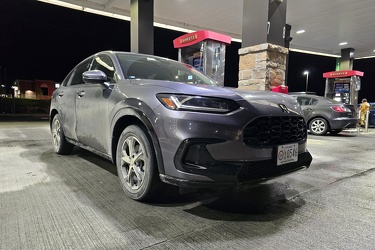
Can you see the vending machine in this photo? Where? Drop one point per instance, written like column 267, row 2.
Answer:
column 205, row 51
column 343, row 85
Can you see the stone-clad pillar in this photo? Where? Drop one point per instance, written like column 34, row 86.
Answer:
column 265, row 36
column 262, row 66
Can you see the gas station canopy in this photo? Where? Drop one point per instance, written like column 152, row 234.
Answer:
column 327, row 24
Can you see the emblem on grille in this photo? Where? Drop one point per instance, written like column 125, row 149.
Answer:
column 284, row 108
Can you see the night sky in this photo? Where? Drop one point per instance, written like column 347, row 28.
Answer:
column 43, row 41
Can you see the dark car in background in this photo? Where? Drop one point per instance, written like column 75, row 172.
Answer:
column 326, row 115
column 161, row 120
column 371, row 117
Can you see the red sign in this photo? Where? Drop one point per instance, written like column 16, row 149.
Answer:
column 342, row 73
column 189, row 39
column 198, row 36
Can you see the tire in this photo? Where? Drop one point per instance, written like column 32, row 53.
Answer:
column 60, row 144
column 318, row 126
column 136, row 164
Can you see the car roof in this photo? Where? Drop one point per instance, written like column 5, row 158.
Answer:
column 302, row 93
column 308, row 95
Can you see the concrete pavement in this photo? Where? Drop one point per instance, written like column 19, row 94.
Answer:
column 48, row 201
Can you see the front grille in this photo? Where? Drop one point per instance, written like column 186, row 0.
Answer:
column 274, row 130
column 267, row 169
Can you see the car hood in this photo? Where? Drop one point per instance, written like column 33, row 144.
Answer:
column 254, row 100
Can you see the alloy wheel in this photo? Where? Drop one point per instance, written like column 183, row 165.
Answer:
column 56, row 132
column 133, row 160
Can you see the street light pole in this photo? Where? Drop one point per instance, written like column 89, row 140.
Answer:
column 307, row 78
column 5, row 80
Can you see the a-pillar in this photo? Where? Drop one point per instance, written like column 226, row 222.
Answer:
column 142, row 26
column 263, row 56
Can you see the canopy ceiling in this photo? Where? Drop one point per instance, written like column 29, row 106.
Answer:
column 327, row 23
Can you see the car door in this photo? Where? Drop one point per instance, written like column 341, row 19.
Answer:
column 66, row 99
column 92, row 108
column 306, row 105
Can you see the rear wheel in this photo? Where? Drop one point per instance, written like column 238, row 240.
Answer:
column 318, row 126
column 60, row 144
column 136, row 164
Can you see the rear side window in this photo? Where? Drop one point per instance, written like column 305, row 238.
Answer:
column 303, row 100
column 313, row 101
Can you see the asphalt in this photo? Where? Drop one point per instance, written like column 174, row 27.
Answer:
column 48, row 201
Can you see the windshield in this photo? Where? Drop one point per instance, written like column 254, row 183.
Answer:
column 137, row 66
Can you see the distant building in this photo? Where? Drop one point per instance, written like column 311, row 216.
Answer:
column 35, row 89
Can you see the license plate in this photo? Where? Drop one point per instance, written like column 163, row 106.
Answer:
column 287, row 153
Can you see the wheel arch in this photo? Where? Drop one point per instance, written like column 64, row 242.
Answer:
column 53, row 112
column 319, row 116
column 127, row 117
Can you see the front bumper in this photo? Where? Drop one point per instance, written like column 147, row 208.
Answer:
column 223, row 174
column 217, row 150
column 194, row 159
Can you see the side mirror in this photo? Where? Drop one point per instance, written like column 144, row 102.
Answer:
column 95, row 76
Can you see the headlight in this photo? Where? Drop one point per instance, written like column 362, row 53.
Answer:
column 197, row 103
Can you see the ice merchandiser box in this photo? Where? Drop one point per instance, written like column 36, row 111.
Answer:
column 205, row 51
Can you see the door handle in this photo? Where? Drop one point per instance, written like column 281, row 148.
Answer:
column 61, row 94
column 81, row 93
column 308, row 109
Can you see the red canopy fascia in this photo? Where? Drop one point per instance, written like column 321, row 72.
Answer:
column 342, row 73
column 198, row 36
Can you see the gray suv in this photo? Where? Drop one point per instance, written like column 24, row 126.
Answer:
column 161, row 121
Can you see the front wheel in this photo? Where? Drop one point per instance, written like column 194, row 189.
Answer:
column 60, row 144
column 318, row 126
column 136, row 164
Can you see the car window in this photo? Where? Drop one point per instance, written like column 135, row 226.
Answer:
column 78, row 71
column 303, row 100
column 105, row 64
column 372, row 106
column 313, row 101
column 155, row 68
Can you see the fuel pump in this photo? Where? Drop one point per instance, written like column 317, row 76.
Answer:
column 343, row 85
column 205, row 51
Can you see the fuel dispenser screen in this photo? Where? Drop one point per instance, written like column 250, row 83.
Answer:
column 342, row 91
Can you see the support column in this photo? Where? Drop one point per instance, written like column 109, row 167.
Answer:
column 262, row 66
column 288, row 39
column 142, row 26
column 347, row 58
column 263, row 56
